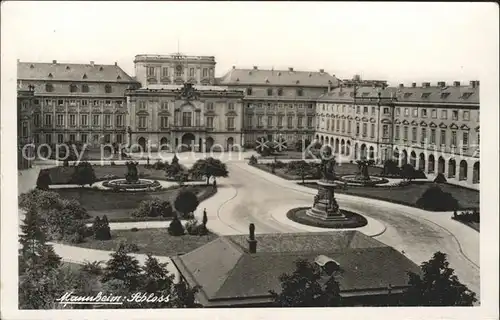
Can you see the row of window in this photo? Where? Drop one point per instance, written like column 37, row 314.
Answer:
column 423, row 112
column 270, row 91
column 187, row 121
column 290, row 122
column 280, row 105
column 49, row 87
column 179, row 71
column 432, row 137
column 75, row 102
column 72, row 120
column 72, row 137
column 164, row 105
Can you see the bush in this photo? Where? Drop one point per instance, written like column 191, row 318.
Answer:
column 159, row 165
column 253, row 160
column 196, row 229
column 43, row 181
column 153, row 208
column 435, row 199
column 101, row 228
column 129, row 247
column 83, row 174
column 134, row 229
column 113, row 163
column 391, row 168
column 440, row 178
column 186, row 202
column 175, row 228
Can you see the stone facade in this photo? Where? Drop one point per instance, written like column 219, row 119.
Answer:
column 434, row 128
column 25, row 99
column 76, row 102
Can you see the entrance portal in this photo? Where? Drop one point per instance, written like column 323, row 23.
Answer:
column 187, row 142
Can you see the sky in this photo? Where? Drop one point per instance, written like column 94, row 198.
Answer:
column 398, row 42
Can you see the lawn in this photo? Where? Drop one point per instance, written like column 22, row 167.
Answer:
column 118, row 206
column 340, row 169
column 62, row 175
column 408, row 195
column 155, row 241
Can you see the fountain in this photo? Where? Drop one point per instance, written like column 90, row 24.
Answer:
column 132, row 181
column 362, row 177
column 325, row 206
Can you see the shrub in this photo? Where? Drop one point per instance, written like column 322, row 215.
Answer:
column 113, row 163
column 196, row 229
column 440, row 178
column 175, row 228
column 134, row 229
column 153, row 208
column 129, row 247
column 391, row 168
column 253, row 160
column 43, row 181
column 83, row 174
column 101, row 228
column 435, row 199
column 159, row 165
column 186, row 202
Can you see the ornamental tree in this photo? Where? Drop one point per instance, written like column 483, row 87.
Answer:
column 208, row 168
column 186, row 202
column 83, row 174
column 437, row 286
column 306, row 287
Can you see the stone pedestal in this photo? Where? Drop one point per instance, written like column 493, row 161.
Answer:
column 325, row 206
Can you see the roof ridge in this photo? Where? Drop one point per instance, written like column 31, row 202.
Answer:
column 229, row 274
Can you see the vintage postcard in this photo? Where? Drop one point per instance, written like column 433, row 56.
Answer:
column 181, row 160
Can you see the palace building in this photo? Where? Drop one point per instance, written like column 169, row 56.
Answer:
column 178, row 103
column 279, row 102
column 76, row 102
column 25, row 99
column 434, row 128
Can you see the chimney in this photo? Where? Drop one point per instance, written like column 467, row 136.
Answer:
column 473, row 84
column 413, row 84
column 321, row 70
column 456, row 83
column 54, row 61
column 401, row 85
column 290, row 69
column 441, row 84
column 426, row 84
column 92, row 63
column 116, row 63
column 329, row 86
column 255, row 68
column 234, row 67
column 252, row 243
column 477, row 83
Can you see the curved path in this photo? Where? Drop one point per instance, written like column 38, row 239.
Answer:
column 251, row 195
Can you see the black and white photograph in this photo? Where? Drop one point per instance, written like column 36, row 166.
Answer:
column 298, row 159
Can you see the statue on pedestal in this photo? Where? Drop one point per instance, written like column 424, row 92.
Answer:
column 328, row 169
column 132, row 174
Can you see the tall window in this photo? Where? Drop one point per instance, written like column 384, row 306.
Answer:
column 310, row 122
column 48, row 138
column 210, row 106
column 142, row 105
column 465, row 139
column 83, row 137
column 280, row 121
column 407, row 112
column 424, row 113
column 107, row 88
column 210, row 122
column 230, row 123
column 95, row 119
column 338, row 125
column 36, row 119
column 191, row 72
column 197, row 119
column 434, row 114
column 269, row 121
column 357, row 109
column 454, row 115
column 119, row 120
column 60, row 138
column 386, row 110
column 415, row 112
column 269, row 91
column 433, row 136
column 249, row 91
column 444, row 114
column 343, row 125
column 164, row 72
column 396, row 133
column 405, row 133
column 385, row 131
column 453, row 138
column 372, row 130
column 357, row 128
column 25, row 129
column 72, row 137
column 107, row 120
column 60, row 120
column 72, row 120
column 259, row 121
column 73, row 88
column 230, row 106
column 83, row 120
column 443, row 137
column 300, row 92
column 365, row 129
column 205, row 72
column 186, row 119
column 119, row 138
column 164, row 122
column 142, row 122
column 398, row 112
column 289, row 122
column 414, row 134
column 373, row 110
column 299, row 122
column 85, row 88
column 349, row 125
column 280, row 92
column 365, row 110
column 423, row 135
column 466, row 115
column 151, row 71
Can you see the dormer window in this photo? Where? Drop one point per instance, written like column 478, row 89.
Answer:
column 67, row 68
column 300, row 92
column 280, row 92
column 269, row 92
column 444, row 95
column 466, row 95
column 73, row 88
column 267, row 80
column 366, row 94
column 84, row 76
column 85, row 88
column 107, row 88
column 237, row 79
column 50, row 75
column 32, row 66
column 426, row 95
column 118, row 77
column 407, row 95
column 297, row 82
column 101, row 68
